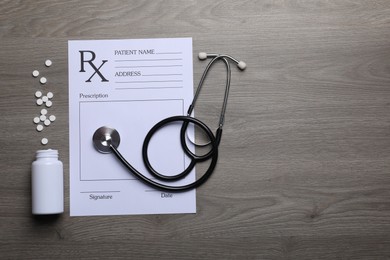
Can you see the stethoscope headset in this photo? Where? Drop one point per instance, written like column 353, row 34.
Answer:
column 106, row 139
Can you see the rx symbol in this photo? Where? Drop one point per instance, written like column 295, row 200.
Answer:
column 90, row 62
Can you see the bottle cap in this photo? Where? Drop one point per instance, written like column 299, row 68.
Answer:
column 49, row 153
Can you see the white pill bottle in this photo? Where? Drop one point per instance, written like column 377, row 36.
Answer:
column 47, row 183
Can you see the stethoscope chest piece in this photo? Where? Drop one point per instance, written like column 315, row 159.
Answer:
column 104, row 137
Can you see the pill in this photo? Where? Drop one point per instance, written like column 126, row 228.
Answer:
column 44, row 141
column 43, row 80
column 47, row 122
column 39, row 102
column 35, row 73
column 50, row 95
column 36, row 120
column 49, row 103
column 39, row 128
column 43, row 112
column 38, row 94
column 48, row 63
column 42, row 118
column 52, row 118
column 45, row 98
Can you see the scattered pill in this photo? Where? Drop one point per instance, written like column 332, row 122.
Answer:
column 52, row 118
column 39, row 102
column 39, row 128
column 35, row 73
column 38, row 94
column 43, row 80
column 49, row 103
column 42, row 118
column 48, row 63
column 45, row 98
column 47, row 122
column 44, row 141
column 50, row 95
column 36, row 120
column 43, row 112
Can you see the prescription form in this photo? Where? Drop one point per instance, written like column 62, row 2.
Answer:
column 129, row 85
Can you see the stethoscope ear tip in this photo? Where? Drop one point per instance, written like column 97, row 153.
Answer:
column 202, row 55
column 241, row 65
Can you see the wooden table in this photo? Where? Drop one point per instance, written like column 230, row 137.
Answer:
column 304, row 168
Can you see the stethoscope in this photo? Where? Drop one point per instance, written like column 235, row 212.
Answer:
column 107, row 139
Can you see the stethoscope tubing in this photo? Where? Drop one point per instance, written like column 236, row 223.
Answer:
column 169, row 188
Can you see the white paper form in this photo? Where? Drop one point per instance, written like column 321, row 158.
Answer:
column 129, row 85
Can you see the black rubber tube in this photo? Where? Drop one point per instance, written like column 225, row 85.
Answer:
column 163, row 187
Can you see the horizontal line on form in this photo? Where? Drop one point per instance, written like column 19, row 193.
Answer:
column 101, row 191
column 169, row 53
column 149, row 75
column 145, row 60
column 148, row 88
column 151, row 66
column 149, row 81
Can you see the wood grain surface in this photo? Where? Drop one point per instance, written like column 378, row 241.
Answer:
column 304, row 168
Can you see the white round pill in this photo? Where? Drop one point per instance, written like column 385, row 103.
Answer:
column 36, row 120
column 38, row 94
column 43, row 112
column 39, row 128
column 44, row 141
column 48, row 63
column 43, row 80
column 39, row 102
column 42, row 118
column 49, row 103
column 35, row 73
column 50, row 95
column 52, row 118
column 47, row 122
column 45, row 98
